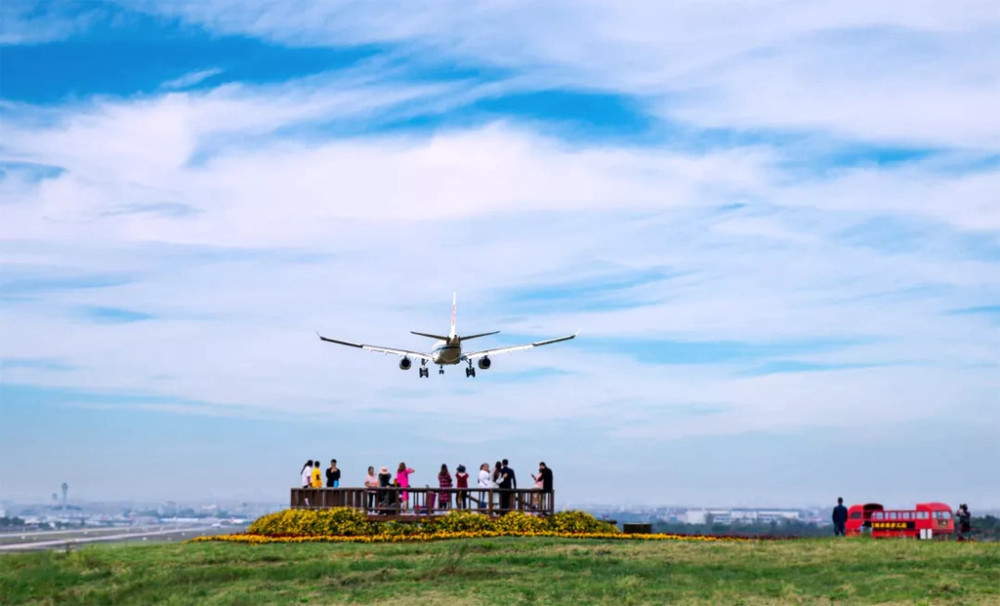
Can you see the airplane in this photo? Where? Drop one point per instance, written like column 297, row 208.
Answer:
column 448, row 350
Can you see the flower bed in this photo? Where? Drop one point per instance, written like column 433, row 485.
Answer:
column 344, row 525
column 254, row 539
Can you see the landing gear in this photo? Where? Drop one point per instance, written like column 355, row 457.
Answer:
column 423, row 370
column 470, row 371
column 441, row 370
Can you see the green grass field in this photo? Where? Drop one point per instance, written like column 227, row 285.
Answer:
column 510, row 571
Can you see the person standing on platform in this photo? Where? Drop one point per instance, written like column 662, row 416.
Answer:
column 306, row 472
column 546, row 473
column 444, row 481
column 333, row 475
column 461, row 482
column 485, row 482
column 384, row 481
column 543, row 481
column 317, row 481
column 371, row 483
column 839, row 518
column 508, row 482
column 403, row 479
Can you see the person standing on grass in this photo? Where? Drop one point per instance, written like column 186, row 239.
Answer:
column 372, row 484
column 317, row 481
column 444, row 481
column 333, row 475
column 462, row 481
column 403, row 479
column 964, row 526
column 306, row 472
column 839, row 518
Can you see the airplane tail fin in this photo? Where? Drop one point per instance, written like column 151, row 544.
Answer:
column 454, row 307
column 429, row 336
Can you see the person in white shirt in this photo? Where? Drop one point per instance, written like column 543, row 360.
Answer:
column 485, row 481
column 307, row 474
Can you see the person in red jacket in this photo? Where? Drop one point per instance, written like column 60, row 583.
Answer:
column 462, row 481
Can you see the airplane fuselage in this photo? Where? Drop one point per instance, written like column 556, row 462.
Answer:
column 447, row 352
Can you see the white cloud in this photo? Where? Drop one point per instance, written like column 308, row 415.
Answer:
column 920, row 73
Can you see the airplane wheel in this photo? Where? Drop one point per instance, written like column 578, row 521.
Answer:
column 472, row 372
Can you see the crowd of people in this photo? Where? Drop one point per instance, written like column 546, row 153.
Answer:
column 381, row 496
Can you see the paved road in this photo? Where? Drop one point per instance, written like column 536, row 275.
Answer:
column 28, row 541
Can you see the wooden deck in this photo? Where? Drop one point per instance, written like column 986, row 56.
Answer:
column 415, row 504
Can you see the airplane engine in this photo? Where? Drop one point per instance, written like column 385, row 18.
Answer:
column 484, row 363
column 405, row 363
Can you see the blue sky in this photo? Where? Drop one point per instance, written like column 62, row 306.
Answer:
column 776, row 225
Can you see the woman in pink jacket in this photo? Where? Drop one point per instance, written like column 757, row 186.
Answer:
column 403, row 479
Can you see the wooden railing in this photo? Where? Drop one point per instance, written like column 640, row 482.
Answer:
column 417, row 502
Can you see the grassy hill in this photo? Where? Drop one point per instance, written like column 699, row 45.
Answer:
column 510, row 571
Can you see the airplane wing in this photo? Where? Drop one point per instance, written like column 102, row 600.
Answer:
column 503, row 350
column 376, row 348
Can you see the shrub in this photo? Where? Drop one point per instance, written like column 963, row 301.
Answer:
column 340, row 521
column 578, row 522
column 465, row 521
column 518, row 522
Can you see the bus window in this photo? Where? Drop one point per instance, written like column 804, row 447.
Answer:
column 893, row 515
column 922, row 515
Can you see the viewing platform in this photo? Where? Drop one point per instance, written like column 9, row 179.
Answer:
column 414, row 504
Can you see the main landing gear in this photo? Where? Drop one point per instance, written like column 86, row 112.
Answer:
column 470, row 371
column 423, row 370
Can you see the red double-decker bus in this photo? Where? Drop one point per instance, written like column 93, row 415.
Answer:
column 926, row 521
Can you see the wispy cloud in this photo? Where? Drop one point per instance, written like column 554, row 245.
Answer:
column 192, row 78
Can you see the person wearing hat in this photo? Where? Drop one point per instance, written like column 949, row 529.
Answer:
column 384, row 481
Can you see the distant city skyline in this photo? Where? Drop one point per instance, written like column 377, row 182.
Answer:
column 777, row 226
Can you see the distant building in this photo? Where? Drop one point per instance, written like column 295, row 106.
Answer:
column 695, row 516
column 740, row 516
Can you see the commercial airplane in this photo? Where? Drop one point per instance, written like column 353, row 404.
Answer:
column 448, row 350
